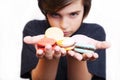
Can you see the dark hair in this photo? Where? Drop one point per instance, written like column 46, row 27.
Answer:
column 51, row 6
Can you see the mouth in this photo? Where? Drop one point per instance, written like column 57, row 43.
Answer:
column 66, row 33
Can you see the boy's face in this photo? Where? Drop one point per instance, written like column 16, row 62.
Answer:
column 68, row 19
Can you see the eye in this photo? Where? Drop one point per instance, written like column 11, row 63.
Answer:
column 74, row 14
column 54, row 15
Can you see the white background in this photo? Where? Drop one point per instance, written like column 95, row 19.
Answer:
column 14, row 14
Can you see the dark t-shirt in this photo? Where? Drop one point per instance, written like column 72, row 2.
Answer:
column 37, row 27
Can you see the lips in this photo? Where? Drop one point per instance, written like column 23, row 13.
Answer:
column 66, row 33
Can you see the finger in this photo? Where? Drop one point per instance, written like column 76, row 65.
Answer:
column 86, row 56
column 71, row 53
column 63, row 52
column 102, row 45
column 57, row 52
column 32, row 40
column 75, row 55
column 78, row 56
column 94, row 56
column 40, row 53
column 36, row 47
column 49, row 52
column 88, row 40
column 99, row 44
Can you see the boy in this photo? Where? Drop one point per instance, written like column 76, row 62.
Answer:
column 58, row 64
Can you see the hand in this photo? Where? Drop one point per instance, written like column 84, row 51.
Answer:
column 90, row 41
column 48, row 52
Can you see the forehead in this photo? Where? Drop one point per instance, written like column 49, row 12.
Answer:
column 74, row 6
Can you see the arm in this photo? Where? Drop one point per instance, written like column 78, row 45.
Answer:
column 47, row 65
column 45, row 70
column 37, row 67
column 77, row 70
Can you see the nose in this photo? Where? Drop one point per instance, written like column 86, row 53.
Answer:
column 64, row 24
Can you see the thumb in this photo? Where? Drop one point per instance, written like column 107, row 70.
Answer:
column 32, row 39
column 102, row 45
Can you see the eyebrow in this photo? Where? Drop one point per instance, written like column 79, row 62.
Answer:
column 75, row 11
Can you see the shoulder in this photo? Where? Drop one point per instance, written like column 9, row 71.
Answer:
column 92, row 30
column 92, row 26
column 96, row 31
column 36, row 26
column 36, row 21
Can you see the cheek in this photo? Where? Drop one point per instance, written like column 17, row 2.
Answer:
column 53, row 22
column 75, row 26
column 77, row 22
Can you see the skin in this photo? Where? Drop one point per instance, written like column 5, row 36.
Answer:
column 69, row 20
